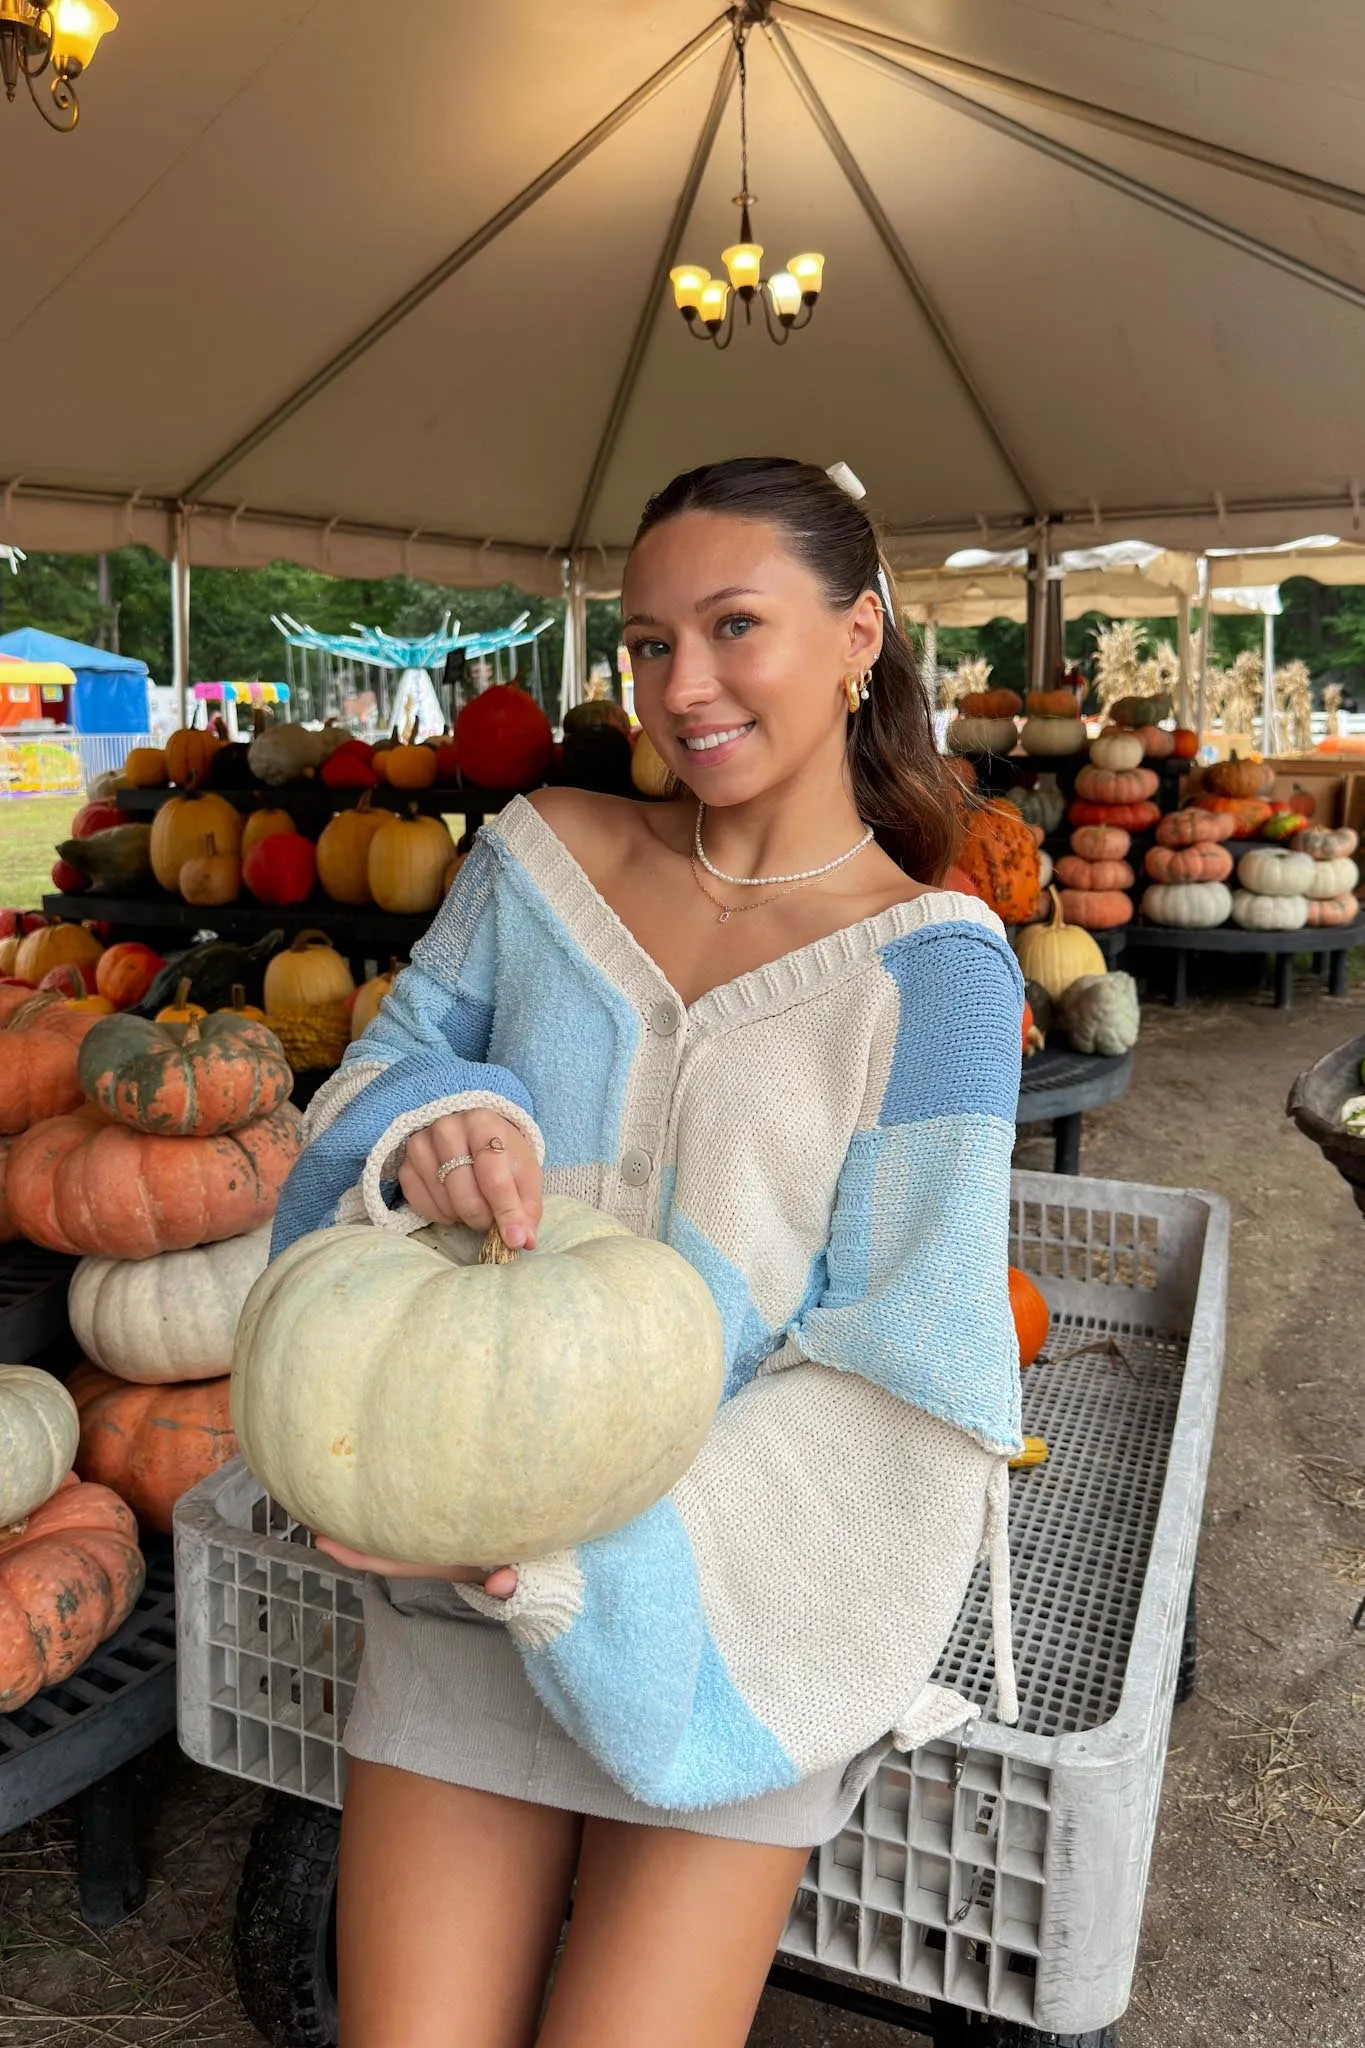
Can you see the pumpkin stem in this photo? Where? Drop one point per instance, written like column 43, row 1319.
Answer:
column 494, row 1252
column 182, row 992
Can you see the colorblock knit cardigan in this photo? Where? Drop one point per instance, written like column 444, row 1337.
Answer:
column 827, row 1139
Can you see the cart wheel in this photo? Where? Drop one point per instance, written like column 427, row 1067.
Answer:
column 1187, row 1669
column 284, row 1932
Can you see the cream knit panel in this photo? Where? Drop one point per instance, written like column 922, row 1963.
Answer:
column 819, row 1479
column 763, row 1119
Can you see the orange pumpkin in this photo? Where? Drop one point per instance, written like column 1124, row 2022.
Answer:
column 55, row 945
column 80, row 1184
column 1195, row 827
column 1096, row 910
column 1185, row 743
column 1116, row 785
column 125, row 972
column 990, row 704
column 1130, row 817
column 1198, row 863
column 343, row 852
column 192, row 1080
column 1236, row 777
column 1075, row 872
column 1101, row 842
column 1248, row 813
column 70, row 1576
column 145, row 768
column 8, row 1227
column 1052, row 704
column 150, row 1444
column 1324, row 910
column 1031, row 1317
column 1000, row 860
column 408, row 767
column 98, row 1006
column 39, row 1044
column 188, row 755
column 182, row 1010
column 261, row 824
column 183, row 824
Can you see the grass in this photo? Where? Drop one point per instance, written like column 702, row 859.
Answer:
column 30, row 827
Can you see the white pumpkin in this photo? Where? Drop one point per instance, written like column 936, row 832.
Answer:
column 1044, row 870
column 407, row 1400
column 1338, row 877
column 39, row 1432
column 1258, row 913
column 982, row 736
column 1190, row 906
column 1117, row 750
column 286, row 753
column 171, row 1317
column 1054, row 736
column 1275, row 871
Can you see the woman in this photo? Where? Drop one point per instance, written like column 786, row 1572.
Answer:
column 744, row 1025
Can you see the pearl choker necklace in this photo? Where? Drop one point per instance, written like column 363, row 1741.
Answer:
column 771, row 881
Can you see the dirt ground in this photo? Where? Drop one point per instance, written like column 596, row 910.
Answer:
column 1254, row 1911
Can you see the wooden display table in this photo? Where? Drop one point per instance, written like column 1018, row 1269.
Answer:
column 1327, row 944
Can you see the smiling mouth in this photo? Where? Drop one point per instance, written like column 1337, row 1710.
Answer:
column 706, row 741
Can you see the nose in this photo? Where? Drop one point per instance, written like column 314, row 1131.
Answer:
column 691, row 680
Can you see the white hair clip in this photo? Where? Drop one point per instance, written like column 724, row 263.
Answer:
column 839, row 473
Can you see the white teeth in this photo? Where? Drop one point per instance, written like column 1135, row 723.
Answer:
column 716, row 739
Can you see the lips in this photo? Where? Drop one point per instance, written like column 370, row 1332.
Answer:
column 707, row 742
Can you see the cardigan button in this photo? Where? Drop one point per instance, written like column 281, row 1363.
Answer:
column 636, row 1167
column 665, row 1019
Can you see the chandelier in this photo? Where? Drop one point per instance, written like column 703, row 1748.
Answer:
column 788, row 297
column 59, row 38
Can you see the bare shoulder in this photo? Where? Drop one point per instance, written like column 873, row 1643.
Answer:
column 589, row 825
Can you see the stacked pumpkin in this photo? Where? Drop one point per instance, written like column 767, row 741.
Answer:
column 984, row 723
column 40, row 1040
column 1188, row 869
column 1070, row 989
column 1239, row 790
column 1054, row 726
column 70, row 1566
column 1331, row 891
column 1273, row 893
column 166, row 1180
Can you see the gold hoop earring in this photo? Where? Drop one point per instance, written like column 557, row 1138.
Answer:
column 854, row 692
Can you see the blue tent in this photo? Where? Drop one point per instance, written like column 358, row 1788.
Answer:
column 111, row 689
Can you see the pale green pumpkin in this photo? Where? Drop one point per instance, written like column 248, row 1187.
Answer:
column 395, row 1394
column 39, row 1432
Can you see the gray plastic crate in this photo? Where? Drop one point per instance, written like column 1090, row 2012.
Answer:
column 1003, row 1874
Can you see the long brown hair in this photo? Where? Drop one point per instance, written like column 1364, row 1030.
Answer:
column 900, row 785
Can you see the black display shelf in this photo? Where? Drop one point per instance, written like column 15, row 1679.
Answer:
column 167, row 915
column 1327, row 946
column 33, row 1284
column 311, row 803
column 1057, row 1086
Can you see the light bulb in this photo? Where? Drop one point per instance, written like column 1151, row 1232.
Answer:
column 744, row 262
column 714, row 298
column 785, row 293
column 809, row 272
column 688, row 284
column 77, row 27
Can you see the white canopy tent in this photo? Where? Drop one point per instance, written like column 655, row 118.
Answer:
column 381, row 294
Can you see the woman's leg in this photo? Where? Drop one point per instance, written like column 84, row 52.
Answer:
column 449, row 1905
column 671, row 1939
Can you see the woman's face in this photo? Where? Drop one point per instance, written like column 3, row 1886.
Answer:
column 739, row 661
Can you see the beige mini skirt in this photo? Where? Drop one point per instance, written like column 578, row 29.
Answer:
column 442, row 1692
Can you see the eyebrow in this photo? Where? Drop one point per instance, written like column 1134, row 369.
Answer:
column 703, row 604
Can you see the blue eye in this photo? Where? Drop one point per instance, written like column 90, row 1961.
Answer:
column 741, row 620
column 648, row 650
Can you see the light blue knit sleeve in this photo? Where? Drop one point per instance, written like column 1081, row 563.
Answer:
column 787, row 1603
column 425, row 1055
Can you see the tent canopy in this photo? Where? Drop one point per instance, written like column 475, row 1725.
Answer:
column 400, row 297
column 111, row 689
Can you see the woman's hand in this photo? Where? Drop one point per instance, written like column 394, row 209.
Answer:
column 504, row 1184
column 501, row 1584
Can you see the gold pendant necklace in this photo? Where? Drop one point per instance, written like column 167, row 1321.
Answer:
column 729, row 910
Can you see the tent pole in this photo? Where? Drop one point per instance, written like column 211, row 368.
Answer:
column 648, row 321
column 180, row 614
column 900, row 256
column 1173, row 139
column 1104, row 174
column 573, row 680
column 1035, row 652
column 1205, row 641
column 1270, row 738
column 1182, row 646
column 470, row 247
